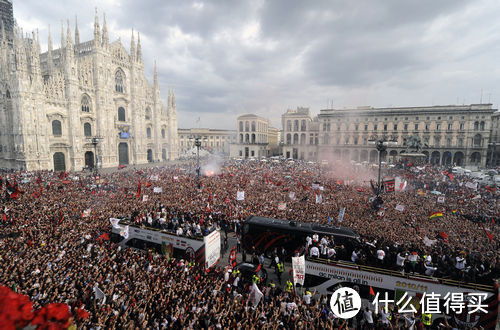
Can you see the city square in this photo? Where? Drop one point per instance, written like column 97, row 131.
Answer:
column 134, row 198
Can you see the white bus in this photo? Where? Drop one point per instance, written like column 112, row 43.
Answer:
column 190, row 248
column 326, row 276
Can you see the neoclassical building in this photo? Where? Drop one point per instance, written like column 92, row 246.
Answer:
column 53, row 104
column 213, row 140
column 255, row 138
column 455, row 134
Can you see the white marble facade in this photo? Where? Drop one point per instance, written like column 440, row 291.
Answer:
column 53, row 103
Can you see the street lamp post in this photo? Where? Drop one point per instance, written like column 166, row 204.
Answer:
column 381, row 145
column 95, row 141
column 197, row 142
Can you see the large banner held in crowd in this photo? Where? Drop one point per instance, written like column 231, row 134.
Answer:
column 255, row 295
column 299, row 270
column 341, row 214
column 240, row 195
column 158, row 190
column 212, row 249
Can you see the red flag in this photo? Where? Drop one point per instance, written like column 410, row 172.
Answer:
column 372, row 293
column 139, row 189
column 258, row 268
column 232, row 257
column 93, row 192
column 148, row 184
column 104, row 236
column 62, row 218
column 488, row 234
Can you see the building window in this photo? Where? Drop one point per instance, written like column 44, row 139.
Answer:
column 416, row 127
column 395, row 118
column 338, row 127
column 56, row 128
column 476, row 125
column 295, row 125
column 439, row 118
column 416, row 118
column 448, row 142
column 450, row 126
column 477, row 141
column 385, row 127
column 121, row 114
column 462, row 126
column 247, row 126
column 148, row 132
column 295, row 138
column 289, row 125
column 427, row 118
column 326, row 139
column 148, row 114
column 395, row 127
column 436, row 141
column 366, row 127
column 253, row 126
column 303, row 125
column 162, row 133
column 406, row 118
column 119, row 81
column 356, row 141
column 365, row 141
column 406, row 127
column 427, row 126
column 356, row 127
column 241, row 126
column 375, row 127
column 450, row 118
column 289, row 138
column 87, row 129
column 85, row 103
column 460, row 143
column 438, row 126
column 481, row 126
column 241, row 153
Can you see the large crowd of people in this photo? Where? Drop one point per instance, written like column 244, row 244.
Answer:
column 51, row 245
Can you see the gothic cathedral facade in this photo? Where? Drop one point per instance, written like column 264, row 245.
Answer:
column 62, row 108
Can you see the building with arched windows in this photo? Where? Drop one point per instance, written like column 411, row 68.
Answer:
column 455, row 134
column 255, row 138
column 53, row 103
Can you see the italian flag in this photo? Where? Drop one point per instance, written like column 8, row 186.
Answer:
column 436, row 215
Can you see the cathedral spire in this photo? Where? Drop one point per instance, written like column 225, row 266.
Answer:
column 69, row 41
column 169, row 100
column 173, row 98
column 139, row 49
column 49, row 51
column 105, row 38
column 156, row 77
column 38, row 41
column 132, row 46
column 77, row 33
column 97, row 30
column 63, row 41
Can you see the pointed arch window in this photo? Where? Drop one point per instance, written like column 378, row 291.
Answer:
column 148, row 113
column 162, row 133
column 87, row 129
column 121, row 114
column 85, row 103
column 119, row 81
column 56, row 128
column 148, row 132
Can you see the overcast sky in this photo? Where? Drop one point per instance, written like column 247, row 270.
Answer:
column 227, row 58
